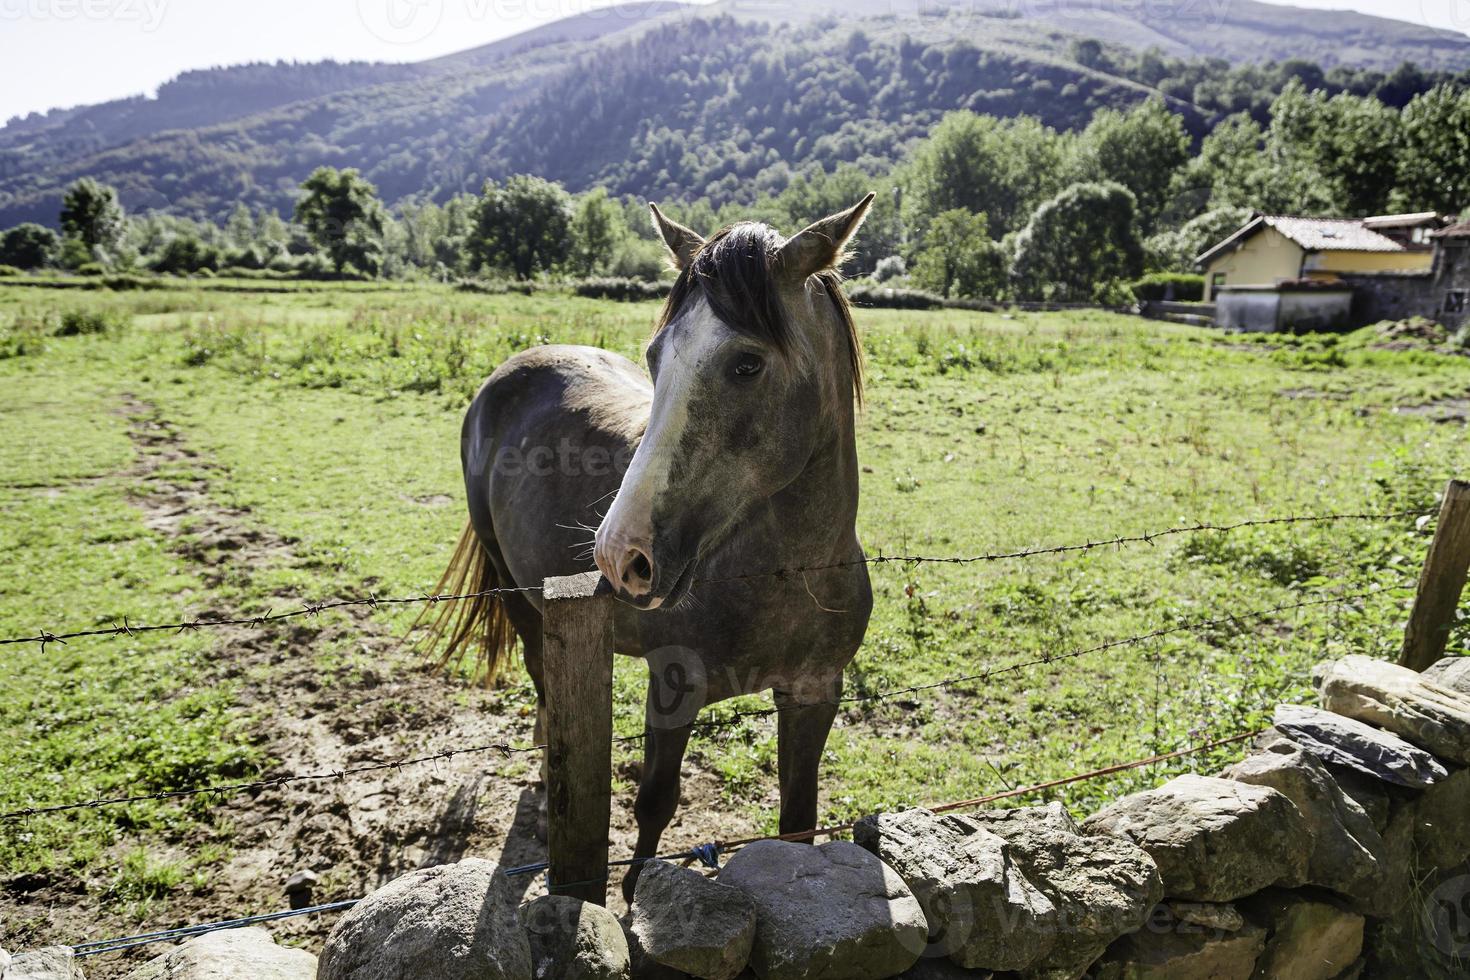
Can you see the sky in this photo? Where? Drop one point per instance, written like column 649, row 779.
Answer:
column 73, row 52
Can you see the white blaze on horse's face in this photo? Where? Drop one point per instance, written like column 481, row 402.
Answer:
column 624, row 546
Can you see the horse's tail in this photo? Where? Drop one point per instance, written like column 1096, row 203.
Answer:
column 477, row 626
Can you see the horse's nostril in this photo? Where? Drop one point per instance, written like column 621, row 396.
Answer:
column 642, row 568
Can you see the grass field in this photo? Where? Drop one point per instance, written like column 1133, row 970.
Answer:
column 325, row 424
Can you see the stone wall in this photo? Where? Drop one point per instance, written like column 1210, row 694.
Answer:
column 1397, row 296
column 1339, row 847
column 1381, row 296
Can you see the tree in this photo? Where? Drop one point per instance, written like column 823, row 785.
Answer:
column 1001, row 168
column 958, row 258
column 1141, row 149
column 1434, row 158
column 1079, row 244
column 596, row 229
column 91, row 214
column 341, row 212
column 186, row 253
column 522, row 226
column 240, row 227
column 1229, row 170
column 1175, row 250
column 28, row 246
column 1333, row 155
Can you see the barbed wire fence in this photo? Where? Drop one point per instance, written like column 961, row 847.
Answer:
column 309, row 608
column 708, row 853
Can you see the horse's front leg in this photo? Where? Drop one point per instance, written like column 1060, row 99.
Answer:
column 804, row 718
column 658, row 792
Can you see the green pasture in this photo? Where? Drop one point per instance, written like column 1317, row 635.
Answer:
column 332, row 417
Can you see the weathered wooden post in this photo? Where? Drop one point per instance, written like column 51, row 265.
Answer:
column 1441, row 582
column 577, row 649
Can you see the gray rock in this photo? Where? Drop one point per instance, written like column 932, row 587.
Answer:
column 1101, row 887
column 1441, row 822
column 646, row 967
column 1373, row 795
column 686, row 921
column 833, row 911
column 1309, row 940
column 1215, row 916
column 982, row 910
column 1450, row 672
column 939, row 968
column 1345, row 742
column 574, row 940
column 1347, row 850
column 4, row 960
column 1213, row 839
column 234, row 954
column 49, row 963
column 451, row 922
column 1184, row 954
column 1435, row 718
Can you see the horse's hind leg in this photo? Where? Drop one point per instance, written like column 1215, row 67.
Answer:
column 658, row 792
column 803, row 721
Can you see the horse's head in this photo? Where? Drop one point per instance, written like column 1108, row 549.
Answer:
column 754, row 360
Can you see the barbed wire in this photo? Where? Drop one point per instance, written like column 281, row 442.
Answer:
column 45, row 636
column 234, row 789
column 1044, row 659
column 707, row 853
column 828, row 831
column 1147, row 537
column 729, row 721
column 308, row 609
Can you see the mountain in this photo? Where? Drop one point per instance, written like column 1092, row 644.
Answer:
column 1236, row 30
column 661, row 98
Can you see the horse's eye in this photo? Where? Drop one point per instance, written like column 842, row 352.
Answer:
column 748, row 365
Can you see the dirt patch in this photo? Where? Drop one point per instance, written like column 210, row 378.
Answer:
column 355, row 833
column 1455, row 408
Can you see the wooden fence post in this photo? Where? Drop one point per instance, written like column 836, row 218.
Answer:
column 577, row 650
column 1441, row 581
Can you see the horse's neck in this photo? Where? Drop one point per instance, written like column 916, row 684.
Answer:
column 813, row 519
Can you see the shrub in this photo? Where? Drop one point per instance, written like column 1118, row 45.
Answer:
column 126, row 282
column 624, row 290
column 28, row 246
column 8, row 270
column 91, row 269
column 1179, row 287
column 891, row 267
column 887, row 297
column 636, row 258
column 496, row 287
column 76, row 323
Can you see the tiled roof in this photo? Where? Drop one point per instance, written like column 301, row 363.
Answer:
column 1461, row 230
column 1334, row 234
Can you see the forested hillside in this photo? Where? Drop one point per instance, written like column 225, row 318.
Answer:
column 666, row 101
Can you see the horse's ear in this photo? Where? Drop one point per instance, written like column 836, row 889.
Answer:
column 820, row 245
column 682, row 242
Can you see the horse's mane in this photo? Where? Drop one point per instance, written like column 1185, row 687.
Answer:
column 732, row 270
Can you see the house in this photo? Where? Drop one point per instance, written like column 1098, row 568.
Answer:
column 1272, row 248
column 1280, row 272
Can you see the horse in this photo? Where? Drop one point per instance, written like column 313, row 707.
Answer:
column 737, row 459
